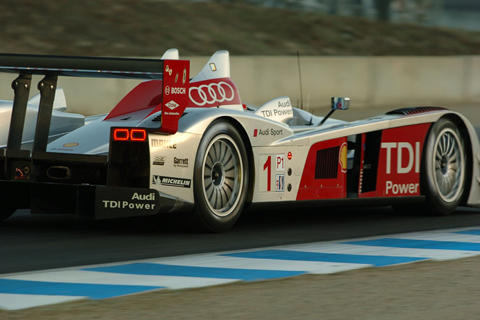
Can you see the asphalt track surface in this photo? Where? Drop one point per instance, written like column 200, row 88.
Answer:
column 39, row 242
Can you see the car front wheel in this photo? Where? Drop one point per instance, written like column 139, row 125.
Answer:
column 444, row 168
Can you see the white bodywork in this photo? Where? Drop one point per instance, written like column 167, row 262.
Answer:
column 294, row 139
column 61, row 123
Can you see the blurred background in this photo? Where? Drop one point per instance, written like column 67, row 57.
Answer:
column 382, row 54
column 459, row 14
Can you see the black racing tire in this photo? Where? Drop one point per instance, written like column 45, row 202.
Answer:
column 6, row 212
column 220, row 177
column 444, row 168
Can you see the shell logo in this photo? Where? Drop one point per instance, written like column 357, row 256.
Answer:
column 343, row 157
column 71, row 144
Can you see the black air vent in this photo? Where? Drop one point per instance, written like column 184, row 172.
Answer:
column 415, row 110
column 327, row 163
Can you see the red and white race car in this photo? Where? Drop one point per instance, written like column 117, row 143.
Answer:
column 176, row 143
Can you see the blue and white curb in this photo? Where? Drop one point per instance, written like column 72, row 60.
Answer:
column 31, row 289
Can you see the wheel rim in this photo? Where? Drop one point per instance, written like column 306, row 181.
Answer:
column 449, row 165
column 222, row 169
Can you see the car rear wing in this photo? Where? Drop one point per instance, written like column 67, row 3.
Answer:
column 174, row 73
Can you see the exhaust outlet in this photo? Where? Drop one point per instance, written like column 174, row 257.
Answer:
column 58, row 173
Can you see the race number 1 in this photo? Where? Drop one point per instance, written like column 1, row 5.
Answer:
column 267, row 179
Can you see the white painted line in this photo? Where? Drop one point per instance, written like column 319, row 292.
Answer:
column 95, row 277
column 24, row 301
column 262, row 264
column 440, row 255
column 453, row 237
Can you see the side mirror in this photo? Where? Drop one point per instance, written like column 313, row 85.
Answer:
column 340, row 103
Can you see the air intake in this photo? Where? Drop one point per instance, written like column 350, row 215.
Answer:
column 327, row 163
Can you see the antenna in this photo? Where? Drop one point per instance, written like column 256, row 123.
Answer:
column 300, row 77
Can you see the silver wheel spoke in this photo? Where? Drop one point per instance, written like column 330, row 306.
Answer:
column 222, row 172
column 448, row 165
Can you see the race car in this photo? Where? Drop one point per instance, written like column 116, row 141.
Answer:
column 180, row 144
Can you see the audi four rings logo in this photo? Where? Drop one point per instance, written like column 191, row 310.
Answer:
column 211, row 93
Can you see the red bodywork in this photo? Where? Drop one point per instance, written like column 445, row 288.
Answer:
column 319, row 179
column 397, row 171
column 400, row 161
column 175, row 93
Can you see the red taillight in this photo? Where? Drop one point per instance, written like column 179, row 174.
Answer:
column 138, row 135
column 120, row 134
column 124, row 134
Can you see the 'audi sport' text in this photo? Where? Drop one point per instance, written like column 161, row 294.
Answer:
column 267, row 132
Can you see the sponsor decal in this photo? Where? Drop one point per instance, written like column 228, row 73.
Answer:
column 267, row 132
column 184, row 75
column 171, row 104
column 272, row 171
column 168, row 70
column 342, row 158
column 280, row 180
column 276, row 112
column 178, row 90
column 211, row 93
column 402, row 167
column 62, row 149
column 176, row 78
column 171, row 182
column 71, row 144
column 182, row 163
column 213, row 67
column 159, row 161
column 413, row 158
column 280, row 162
column 284, row 109
column 400, row 188
column 164, row 144
column 285, row 104
column 137, row 202
column 175, row 90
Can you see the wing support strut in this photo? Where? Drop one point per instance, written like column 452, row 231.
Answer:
column 16, row 158
column 21, row 87
column 47, row 88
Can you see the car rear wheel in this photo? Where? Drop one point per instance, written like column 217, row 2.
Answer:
column 221, row 177
column 444, row 168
